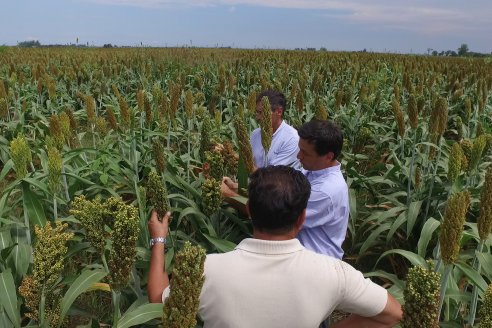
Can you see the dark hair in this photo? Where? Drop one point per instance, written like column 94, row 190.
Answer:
column 277, row 196
column 276, row 99
column 325, row 135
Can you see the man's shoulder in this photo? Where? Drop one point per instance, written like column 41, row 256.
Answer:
column 289, row 130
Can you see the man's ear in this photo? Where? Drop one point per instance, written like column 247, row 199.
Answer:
column 300, row 220
column 330, row 156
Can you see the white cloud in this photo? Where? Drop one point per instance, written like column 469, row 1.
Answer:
column 424, row 17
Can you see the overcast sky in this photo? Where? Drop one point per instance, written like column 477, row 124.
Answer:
column 380, row 25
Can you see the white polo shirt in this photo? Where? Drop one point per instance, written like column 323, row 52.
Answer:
column 282, row 284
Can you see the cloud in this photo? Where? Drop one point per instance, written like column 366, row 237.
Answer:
column 424, row 17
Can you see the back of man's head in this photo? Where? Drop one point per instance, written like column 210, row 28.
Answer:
column 276, row 98
column 325, row 135
column 277, row 197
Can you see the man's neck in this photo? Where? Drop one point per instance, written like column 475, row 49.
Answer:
column 267, row 236
column 276, row 126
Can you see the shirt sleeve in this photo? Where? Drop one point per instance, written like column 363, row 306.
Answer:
column 165, row 293
column 319, row 210
column 360, row 295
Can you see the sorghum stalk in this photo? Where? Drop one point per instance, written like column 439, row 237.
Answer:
column 54, row 175
column 205, row 135
column 181, row 308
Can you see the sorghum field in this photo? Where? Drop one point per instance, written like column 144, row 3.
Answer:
column 92, row 139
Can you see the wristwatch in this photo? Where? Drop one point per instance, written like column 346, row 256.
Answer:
column 156, row 240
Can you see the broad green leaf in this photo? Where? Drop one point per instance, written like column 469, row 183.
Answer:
column 141, row 315
column 400, row 220
column 4, row 319
column 242, row 173
column 485, row 260
column 5, row 239
column 426, row 235
column 80, row 285
column 472, row 275
column 412, row 214
column 389, row 276
column 415, row 259
column 9, row 297
column 20, row 257
column 353, row 203
column 33, row 206
column 221, row 245
column 6, row 169
column 374, row 236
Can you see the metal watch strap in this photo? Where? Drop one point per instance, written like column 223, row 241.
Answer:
column 156, row 240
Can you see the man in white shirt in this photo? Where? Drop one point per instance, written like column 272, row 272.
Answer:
column 284, row 147
column 271, row 280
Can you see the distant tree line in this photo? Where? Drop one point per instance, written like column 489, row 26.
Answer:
column 462, row 51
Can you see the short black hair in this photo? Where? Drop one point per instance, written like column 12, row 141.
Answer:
column 276, row 98
column 277, row 196
column 325, row 135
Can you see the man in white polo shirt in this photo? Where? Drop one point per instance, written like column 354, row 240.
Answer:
column 285, row 140
column 271, row 280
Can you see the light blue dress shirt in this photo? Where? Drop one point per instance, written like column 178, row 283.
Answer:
column 283, row 150
column 327, row 212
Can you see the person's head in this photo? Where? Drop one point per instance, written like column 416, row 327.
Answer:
column 320, row 144
column 278, row 195
column 277, row 103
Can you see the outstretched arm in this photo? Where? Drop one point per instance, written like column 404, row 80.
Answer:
column 158, row 278
column 389, row 317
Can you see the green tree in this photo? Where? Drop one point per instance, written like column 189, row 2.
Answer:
column 463, row 50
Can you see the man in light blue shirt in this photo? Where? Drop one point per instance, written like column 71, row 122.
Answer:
column 284, row 147
column 327, row 214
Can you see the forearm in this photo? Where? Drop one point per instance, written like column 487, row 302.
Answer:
column 158, row 278
column 356, row 321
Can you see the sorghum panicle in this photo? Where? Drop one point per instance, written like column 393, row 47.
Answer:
column 157, row 194
column 421, row 297
column 181, row 308
column 452, row 226
column 454, row 162
column 21, row 155
column 484, row 222
column 413, row 115
column 211, row 197
column 54, row 169
column 245, row 151
column 158, row 154
column 216, row 161
column 485, row 312
column 124, row 238
column 266, row 124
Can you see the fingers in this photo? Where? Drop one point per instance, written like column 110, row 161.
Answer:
column 153, row 216
column 166, row 216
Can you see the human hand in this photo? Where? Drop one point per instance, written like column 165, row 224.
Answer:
column 158, row 228
column 228, row 188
